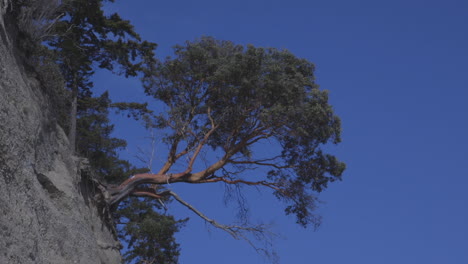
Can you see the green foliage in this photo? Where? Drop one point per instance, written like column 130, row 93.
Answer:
column 86, row 37
column 52, row 83
column 78, row 38
column 252, row 94
column 216, row 93
column 28, row 23
column 135, row 110
column 95, row 141
column 149, row 235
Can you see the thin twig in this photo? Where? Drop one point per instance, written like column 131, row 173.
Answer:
column 260, row 232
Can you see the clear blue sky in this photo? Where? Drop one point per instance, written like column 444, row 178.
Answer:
column 397, row 72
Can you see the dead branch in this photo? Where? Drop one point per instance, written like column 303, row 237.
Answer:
column 260, row 232
column 271, row 185
column 260, row 163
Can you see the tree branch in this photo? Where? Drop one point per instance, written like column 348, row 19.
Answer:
column 260, row 163
column 197, row 177
column 172, row 156
column 271, row 185
column 149, row 192
column 202, row 143
column 260, row 232
column 233, row 230
column 125, row 189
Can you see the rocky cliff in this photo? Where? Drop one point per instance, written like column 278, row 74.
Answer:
column 47, row 214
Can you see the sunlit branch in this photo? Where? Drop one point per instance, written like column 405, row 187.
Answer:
column 202, row 142
column 149, row 192
column 173, row 156
column 119, row 193
column 196, row 177
column 171, row 159
column 128, row 186
column 146, row 194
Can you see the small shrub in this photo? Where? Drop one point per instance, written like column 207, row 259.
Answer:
column 35, row 21
column 52, row 83
column 36, row 18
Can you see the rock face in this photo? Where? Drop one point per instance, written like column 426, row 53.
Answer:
column 46, row 211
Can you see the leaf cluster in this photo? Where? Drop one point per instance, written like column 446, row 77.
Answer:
column 247, row 95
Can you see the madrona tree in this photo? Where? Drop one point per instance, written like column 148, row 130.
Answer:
column 229, row 100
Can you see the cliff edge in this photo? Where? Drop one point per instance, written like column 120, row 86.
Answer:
column 47, row 214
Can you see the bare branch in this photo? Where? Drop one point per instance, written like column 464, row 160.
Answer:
column 173, row 155
column 234, row 192
column 232, row 230
column 271, row 185
column 258, row 136
column 266, row 159
column 199, row 176
column 260, row 163
column 153, row 148
column 260, row 232
column 141, row 155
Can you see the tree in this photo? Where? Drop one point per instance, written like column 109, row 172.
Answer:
column 217, row 97
column 85, row 38
column 95, row 142
column 227, row 99
column 149, row 234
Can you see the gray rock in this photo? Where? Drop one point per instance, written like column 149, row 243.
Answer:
column 47, row 214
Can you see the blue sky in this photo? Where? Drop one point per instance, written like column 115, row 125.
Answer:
column 397, row 75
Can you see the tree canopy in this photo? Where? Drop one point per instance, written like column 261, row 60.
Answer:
column 225, row 110
column 228, row 99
